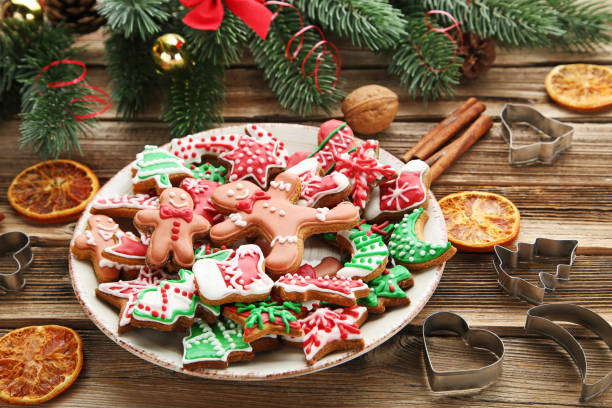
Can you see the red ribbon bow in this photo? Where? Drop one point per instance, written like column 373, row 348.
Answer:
column 208, row 14
column 167, row 211
column 246, row 205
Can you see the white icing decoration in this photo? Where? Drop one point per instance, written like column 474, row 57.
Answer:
column 289, row 239
column 322, row 213
column 130, row 201
column 237, row 219
column 281, row 185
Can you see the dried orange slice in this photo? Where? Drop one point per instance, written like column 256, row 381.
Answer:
column 53, row 191
column 582, row 87
column 477, row 221
column 38, row 362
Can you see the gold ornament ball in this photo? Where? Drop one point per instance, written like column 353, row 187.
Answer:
column 169, row 54
column 27, row 11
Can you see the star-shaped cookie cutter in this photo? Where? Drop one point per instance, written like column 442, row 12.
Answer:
column 540, row 319
column 555, row 136
column 18, row 244
column 541, row 248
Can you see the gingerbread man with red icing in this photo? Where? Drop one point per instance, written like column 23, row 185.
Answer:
column 174, row 226
column 275, row 216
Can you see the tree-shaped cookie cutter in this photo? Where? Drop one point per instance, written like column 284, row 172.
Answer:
column 18, row 244
column 558, row 135
column 541, row 248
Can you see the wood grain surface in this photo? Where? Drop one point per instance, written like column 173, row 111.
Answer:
column 570, row 199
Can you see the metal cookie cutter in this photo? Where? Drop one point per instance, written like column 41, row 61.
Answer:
column 555, row 136
column 540, row 320
column 541, row 248
column 18, row 244
column 479, row 338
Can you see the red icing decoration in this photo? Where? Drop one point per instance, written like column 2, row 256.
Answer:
column 167, row 211
column 341, row 142
column 306, row 271
column 128, row 246
column 342, row 286
column 200, row 191
column 296, row 157
column 325, row 320
column 403, row 192
column 246, row 205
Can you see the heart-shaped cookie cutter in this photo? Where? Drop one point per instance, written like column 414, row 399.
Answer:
column 478, row 338
column 18, row 244
column 540, row 320
column 541, row 248
column 559, row 134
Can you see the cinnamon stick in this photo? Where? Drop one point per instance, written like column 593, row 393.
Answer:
column 448, row 155
column 409, row 155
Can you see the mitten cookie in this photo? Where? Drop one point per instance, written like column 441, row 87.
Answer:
column 124, row 294
column 335, row 138
column 409, row 248
column 101, row 234
column 393, row 199
column 274, row 216
column 363, row 169
column 240, row 279
column 124, row 206
column 157, row 169
column 173, row 227
column 387, row 290
column 319, row 190
column 171, row 305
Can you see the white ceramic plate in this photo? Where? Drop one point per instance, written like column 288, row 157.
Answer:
column 165, row 349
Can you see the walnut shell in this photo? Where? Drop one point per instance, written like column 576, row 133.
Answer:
column 370, row 109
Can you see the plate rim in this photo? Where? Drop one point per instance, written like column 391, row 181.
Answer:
column 220, row 374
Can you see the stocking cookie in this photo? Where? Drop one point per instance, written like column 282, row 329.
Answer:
column 174, row 226
column 266, row 317
column 369, row 254
column 387, row 290
column 274, row 216
column 124, row 294
column 409, row 248
column 391, row 200
column 171, row 305
column 157, row 169
column 335, row 138
column 102, row 233
column 364, row 170
column 216, row 254
column 317, row 190
column 200, row 191
column 240, row 279
column 341, row 292
column 126, row 205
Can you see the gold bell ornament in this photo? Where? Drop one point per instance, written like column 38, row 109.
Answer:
column 169, row 54
column 23, row 11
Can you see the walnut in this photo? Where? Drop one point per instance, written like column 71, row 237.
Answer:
column 370, row 109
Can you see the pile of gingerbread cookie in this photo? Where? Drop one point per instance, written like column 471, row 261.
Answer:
column 217, row 248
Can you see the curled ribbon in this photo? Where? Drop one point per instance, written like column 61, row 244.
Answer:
column 325, row 47
column 442, row 30
column 105, row 99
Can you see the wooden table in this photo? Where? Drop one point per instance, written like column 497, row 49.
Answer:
column 570, row 199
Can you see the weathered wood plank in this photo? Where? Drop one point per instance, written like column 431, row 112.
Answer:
column 392, row 375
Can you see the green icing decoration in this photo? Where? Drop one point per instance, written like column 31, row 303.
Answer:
column 213, row 342
column 154, row 162
column 404, row 245
column 272, row 308
column 182, row 300
column 216, row 254
column 386, row 285
column 209, row 172
column 369, row 249
column 326, row 140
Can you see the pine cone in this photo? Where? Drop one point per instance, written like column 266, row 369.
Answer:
column 80, row 15
column 478, row 55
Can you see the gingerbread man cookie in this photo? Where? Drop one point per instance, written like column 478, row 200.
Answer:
column 103, row 233
column 174, row 226
column 275, row 216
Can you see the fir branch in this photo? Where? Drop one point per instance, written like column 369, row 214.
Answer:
column 132, row 70
column 194, row 100
column 426, row 49
column 586, row 24
column 50, row 127
column 220, row 47
column 374, row 24
column 135, row 18
column 293, row 89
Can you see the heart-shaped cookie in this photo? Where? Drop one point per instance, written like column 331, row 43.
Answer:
column 477, row 338
column 18, row 244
